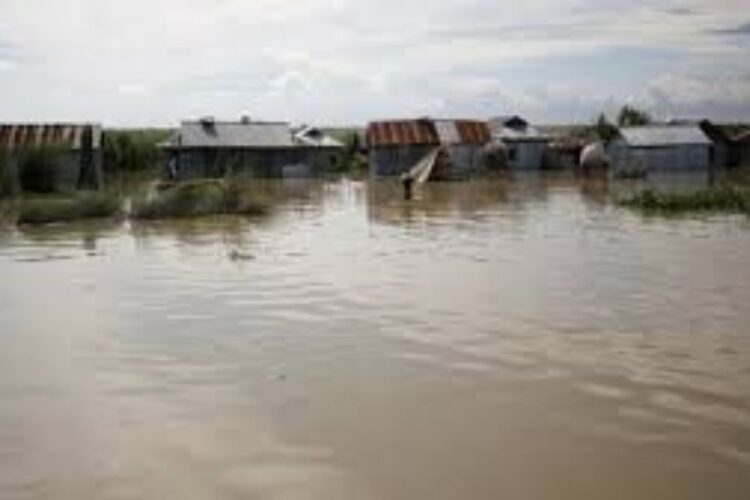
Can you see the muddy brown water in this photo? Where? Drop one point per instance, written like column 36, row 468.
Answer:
column 516, row 339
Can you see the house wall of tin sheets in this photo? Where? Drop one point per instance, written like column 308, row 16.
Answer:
column 202, row 163
column 396, row 146
column 672, row 157
column 526, row 155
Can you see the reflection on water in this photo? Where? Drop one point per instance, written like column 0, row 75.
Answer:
column 507, row 338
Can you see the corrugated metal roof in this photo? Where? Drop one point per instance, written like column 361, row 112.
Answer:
column 515, row 128
column 312, row 136
column 427, row 132
column 664, row 135
column 473, row 132
column 205, row 134
column 447, row 131
column 68, row 135
column 402, row 132
column 525, row 134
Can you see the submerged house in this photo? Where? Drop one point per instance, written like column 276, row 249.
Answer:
column 653, row 147
column 54, row 156
column 320, row 152
column 396, row 146
column 526, row 144
column 742, row 149
column 210, row 148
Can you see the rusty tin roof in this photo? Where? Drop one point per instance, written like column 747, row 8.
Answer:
column 427, row 132
column 18, row 136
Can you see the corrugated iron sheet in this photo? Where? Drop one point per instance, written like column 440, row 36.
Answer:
column 311, row 136
column 664, row 135
column 236, row 135
column 473, row 132
column 402, row 132
column 18, row 136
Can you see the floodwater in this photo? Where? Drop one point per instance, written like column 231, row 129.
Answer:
column 518, row 339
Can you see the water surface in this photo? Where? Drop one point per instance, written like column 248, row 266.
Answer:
column 490, row 339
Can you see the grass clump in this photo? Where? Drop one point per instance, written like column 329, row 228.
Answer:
column 46, row 210
column 198, row 198
column 721, row 199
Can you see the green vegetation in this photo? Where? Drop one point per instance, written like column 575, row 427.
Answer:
column 352, row 161
column 133, row 149
column 45, row 210
column 630, row 116
column 199, row 198
column 721, row 199
column 605, row 130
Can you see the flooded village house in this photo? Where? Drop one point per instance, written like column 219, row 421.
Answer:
column 208, row 148
column 395, row 146
column 666, row 146
column 54, row 157
column 526, row 145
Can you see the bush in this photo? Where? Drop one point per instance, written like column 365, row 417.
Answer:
column 57, row 209
column 631, row 116
column 199, row 198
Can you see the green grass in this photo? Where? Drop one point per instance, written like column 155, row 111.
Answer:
column 720, row 199
column 199, row 198
column 46, row 210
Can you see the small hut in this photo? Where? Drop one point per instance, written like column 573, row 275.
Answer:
column 674, row 147
column 526, row 144
column 208, row 148
column 54, row 157
column 396, row 146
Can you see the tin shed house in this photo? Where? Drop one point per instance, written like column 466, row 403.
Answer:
column 209, row 148
column 396, row 146
column 54, row 157
column 526, row 144
column 319, row 152
column 661, row 147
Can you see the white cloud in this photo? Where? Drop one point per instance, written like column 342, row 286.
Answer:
column 141, row 61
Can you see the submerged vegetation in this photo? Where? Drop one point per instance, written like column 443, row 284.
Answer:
column 89, row 205
column 352, row 160
column 199, row 198
column 721, row 199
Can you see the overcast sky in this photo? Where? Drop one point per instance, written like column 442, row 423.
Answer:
column 154, row 62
